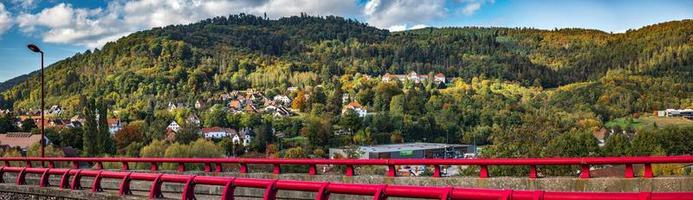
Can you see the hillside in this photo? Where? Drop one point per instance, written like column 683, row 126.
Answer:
column 521, row 92
column 200, row 60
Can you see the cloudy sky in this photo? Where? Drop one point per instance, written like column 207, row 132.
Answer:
column 63, row 28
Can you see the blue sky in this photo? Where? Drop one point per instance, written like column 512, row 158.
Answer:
column 63, row 28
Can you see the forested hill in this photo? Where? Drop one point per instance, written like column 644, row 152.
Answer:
column 201, row 60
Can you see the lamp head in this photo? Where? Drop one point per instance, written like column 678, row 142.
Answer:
column 34, row 48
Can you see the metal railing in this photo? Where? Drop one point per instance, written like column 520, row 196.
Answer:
column 71, row 178
column 391, row 164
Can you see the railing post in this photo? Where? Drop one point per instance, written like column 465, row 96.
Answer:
column 243, row 168
column 181, row 167
column 323, row 194
column 153, row 166
column 391, row 171
column 229, row 189
column 189, row 189
column 532, row 171
column 155, row 190
column 124, row 188
column 125, row 166
column 7, row 163
column 483, row 171
column 271, row 191
column 350, row 170
column 75, row 164
column 629, row 171
column 380, row 193
column 507, row 195
column 77, row 181
column 648, row 171
column 277, row 169
column 64, row 180
column 27, row 163
column 208, row 167
column 99, row 165
column 219, row 167
column 436, row 170
column 51, row 164
column 96, row 185
column 2, row 174
column 21, row 177
column 585, row 171
column 44, row 182
column 312, row 170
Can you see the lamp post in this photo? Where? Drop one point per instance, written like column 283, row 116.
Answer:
column 36, row 49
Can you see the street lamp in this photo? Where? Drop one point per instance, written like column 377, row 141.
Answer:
column 36, row 49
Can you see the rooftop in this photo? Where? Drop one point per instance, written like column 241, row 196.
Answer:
column 407, row 147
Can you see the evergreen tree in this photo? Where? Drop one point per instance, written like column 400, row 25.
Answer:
column 90, row 130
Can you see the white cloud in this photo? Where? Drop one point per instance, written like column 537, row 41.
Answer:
column 64, row 23
column 5, row 19
column 25, row 4
column 393, row 14
column 471, row 6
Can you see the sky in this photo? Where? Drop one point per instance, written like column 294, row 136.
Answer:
column 63, row 28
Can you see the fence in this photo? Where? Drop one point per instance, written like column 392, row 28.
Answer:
column 71, row 178
column 391, row 164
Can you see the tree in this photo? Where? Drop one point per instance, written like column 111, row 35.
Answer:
column 350, row 119
column 28, row 124
column 317, row 130
column 644, row 143
column 7, row 123
column 90, row 129
column 397, row 105
column 128, row 135
column 155, row 149
column 104, row 141
column 616, row 145
column 71, row 137
column 187, row 134
column 215, row 116
column 299, row 102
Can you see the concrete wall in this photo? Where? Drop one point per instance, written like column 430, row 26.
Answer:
column 663, row 184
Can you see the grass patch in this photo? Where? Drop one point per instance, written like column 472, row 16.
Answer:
column 647, row 121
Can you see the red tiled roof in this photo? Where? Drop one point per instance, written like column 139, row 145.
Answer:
column 19, row 139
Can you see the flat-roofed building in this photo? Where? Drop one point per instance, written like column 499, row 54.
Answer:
column 404, row 151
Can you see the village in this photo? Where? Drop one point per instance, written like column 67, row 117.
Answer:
column 237, row 102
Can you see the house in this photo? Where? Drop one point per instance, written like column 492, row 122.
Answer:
column 356, row 106
column 278, row 111
column 173, row 126
column 199, row 104
column 217, row 132
column 685, row 113
column 55, row 110
column 282, row 99
column 193, row 119
column 243, row 137
column 439, row 79
column 236, row 104
column 114, row 125
column 292, row 89
column 21, row 140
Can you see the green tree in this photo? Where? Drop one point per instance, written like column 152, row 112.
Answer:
column 28, row 124
column 616, row 145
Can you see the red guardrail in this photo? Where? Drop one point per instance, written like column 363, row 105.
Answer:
column 323, row 189
column 349, row 164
